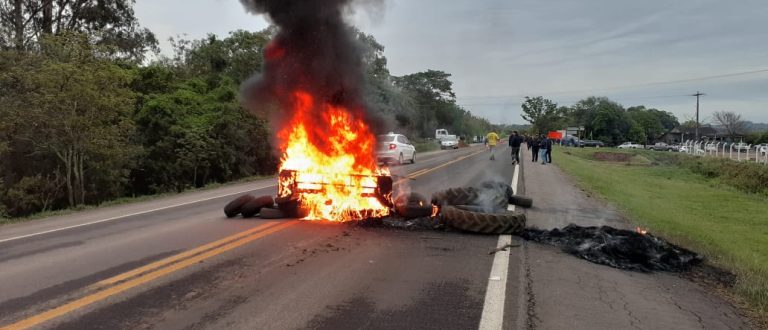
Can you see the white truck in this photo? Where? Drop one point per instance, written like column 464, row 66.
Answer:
column 442, row 133
column 446, row 140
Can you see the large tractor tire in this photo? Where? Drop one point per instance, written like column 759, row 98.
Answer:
column 413, row 206
column 270, row 213
column 455, row 196
column 483, row 223
column 252, row 207
column 522, row 201
column 234, row 207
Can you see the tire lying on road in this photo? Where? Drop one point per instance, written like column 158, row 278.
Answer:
column 291, row 207
column 483, row 223
column 494, row 198
column 413, row 206
column 270, row 213
column 234, row 207
column 455, row 196
column 520, row 200
column 253, row 206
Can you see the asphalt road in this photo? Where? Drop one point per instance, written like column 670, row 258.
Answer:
column 177, row 262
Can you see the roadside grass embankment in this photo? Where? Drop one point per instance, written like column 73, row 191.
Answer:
column 426, row 145
column 719, row 209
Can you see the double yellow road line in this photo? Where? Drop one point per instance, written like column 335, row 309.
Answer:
column 153, row 271
column 427, row 170
column 145, row 274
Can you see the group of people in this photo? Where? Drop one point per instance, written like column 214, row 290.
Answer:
column 540, row 146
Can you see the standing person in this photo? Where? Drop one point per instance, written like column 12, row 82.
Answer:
column 543, row 147
column 535, row 143
column 514, row 142
column 492, row 138
column 549, row 151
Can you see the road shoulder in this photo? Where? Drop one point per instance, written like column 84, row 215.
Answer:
column 566, row 292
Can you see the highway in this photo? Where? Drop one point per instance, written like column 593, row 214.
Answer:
column 177, row 262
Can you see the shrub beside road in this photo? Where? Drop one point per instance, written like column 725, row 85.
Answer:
column 696, row 203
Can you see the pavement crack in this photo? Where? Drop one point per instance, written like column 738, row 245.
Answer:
column 698, row 318
column 634, row 321
column 532, row 319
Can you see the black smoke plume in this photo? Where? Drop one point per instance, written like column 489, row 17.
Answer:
column 313, row 51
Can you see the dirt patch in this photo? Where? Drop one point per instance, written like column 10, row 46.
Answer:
column 612, row 157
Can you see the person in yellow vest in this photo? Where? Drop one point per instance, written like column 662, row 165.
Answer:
column 492, row 138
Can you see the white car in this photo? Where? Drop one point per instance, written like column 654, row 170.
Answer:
column 740, row 146
column 395, row 147
column 763, row 149
column 630, row 145
column 446, row 143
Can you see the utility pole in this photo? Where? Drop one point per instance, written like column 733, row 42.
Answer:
column 697, row 112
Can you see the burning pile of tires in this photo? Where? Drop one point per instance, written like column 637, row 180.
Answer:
column 481, row 209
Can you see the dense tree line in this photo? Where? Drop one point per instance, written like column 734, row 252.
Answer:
column 602, row 119
column 85, row 118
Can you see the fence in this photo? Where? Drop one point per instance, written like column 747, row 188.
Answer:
column 735, row 151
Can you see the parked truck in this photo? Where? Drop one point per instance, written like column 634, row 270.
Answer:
column 442, row 134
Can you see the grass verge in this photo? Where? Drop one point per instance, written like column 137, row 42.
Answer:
column 728, row 226
column 426, row 145
column 124, row 200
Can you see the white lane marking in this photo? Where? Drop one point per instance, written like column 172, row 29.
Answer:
column 515, row 175
column 496, row 292
column 493, row 307
column 130, row 215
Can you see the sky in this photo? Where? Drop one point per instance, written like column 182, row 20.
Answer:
column 654, row 52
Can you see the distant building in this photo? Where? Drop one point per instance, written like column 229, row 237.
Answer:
column 681, row 134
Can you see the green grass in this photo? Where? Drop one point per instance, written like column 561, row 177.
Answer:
column 427, row 145
column 728, row 226
column 123, row 200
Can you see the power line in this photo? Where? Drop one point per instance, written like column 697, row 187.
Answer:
column 656, row 83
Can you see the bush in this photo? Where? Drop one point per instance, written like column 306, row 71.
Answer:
column 745, row 176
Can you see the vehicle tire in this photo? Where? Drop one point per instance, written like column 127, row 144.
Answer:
column 400, row 159
column 413, row 158
column 483, row 223
column 291, row 207
column 270, row 213
column 252, row 207
column 522, row 201
column 234, row 207
column 455, row 196
column 413, row 206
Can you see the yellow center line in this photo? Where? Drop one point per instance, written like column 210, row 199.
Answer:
column 98, row 296
column 172, row 264
column 175, row 258
column 427, row 170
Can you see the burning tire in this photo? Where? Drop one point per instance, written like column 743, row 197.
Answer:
column 291, row 207
column 522, row 201
column 234, row 207
column 252, row 207
column 483, row 223
column 413, row 206
column 270, row 213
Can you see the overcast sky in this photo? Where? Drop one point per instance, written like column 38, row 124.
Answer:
column 650, row 52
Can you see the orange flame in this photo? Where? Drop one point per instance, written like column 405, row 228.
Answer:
column 341, row 169
column 641, row 231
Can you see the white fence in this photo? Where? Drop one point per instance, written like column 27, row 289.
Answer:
column 735, row 151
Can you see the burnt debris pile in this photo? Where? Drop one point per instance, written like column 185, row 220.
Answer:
column 618, row 248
